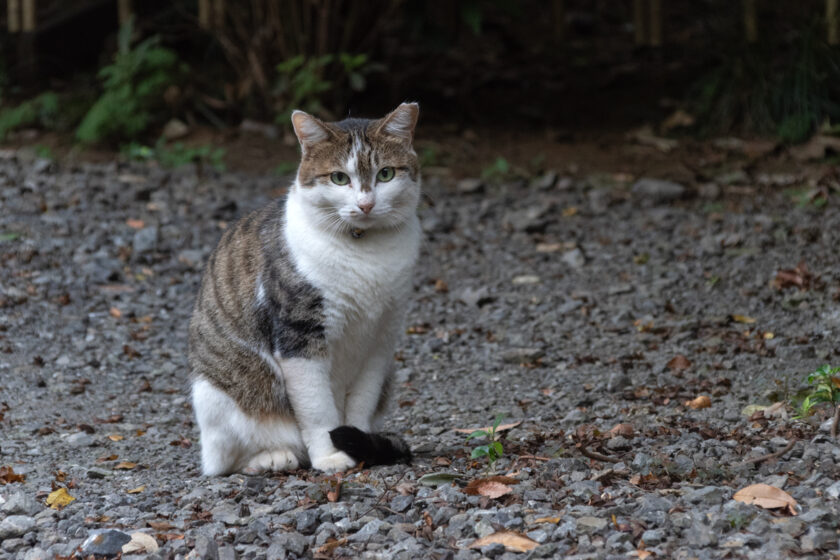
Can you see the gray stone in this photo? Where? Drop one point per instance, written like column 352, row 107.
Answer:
column 642, row 463
column 699, row 534
column 37, row 553
column 368, row 531
column 618, row 442
column 574, row 258
column 20, row 503
column 654, row 536
column 493, row 550
column 818, row 539
column 105, row 542
column 521, row 355
column 11, row 545
column 401, row 503
column 590, row 524
column 658, row 191
column 470, row 186
column 539, row 535
column 145, row 240
column 531, row 220
column 709, row 495
column 80, row 439
column 293, row 542
column 227, row 553
column 484, row 528
column 833, row 491
column 618, row 381
column 16, row 526
column 226, row 513
column 306, row 521
column 206, row 548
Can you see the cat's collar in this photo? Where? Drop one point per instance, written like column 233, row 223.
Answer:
column 357, row 233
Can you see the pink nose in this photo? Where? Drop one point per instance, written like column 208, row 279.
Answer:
column 366, row 207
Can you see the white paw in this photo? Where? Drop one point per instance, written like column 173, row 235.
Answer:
column 334, row 462
column 273, row 460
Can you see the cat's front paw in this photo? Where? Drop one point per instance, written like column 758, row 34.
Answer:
column 274, row 460
column 334, row 462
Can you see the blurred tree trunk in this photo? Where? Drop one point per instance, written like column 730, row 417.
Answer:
column 559, row 21
column 13, row 16
column 639, row 26
column 123, row 11
column 832, row 18
column 655, row 23
column 750, row 22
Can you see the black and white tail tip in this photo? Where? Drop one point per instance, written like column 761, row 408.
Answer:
column 373, row 449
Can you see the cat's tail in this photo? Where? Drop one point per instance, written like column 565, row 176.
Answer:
column 384, row 448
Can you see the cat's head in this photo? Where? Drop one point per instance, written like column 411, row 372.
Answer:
column 359, row 174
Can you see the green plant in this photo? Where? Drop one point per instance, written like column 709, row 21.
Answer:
column 493, row 449
column 41, row 111
column 286, row 168
column 738, row 520
column 824, row 389
column 177, row 154
column 133, row 89
column 497, row 171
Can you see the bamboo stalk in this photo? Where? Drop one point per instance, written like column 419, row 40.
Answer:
column 655, row 23
column 13, row 16
column 28, row 15
column 204, row 14
column 832, row 18
column 750, row 22
column 639, row 26
column 219, row 14
column 123, row 11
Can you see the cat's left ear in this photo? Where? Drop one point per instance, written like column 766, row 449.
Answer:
column 400, row 122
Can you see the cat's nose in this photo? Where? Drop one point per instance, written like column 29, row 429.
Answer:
column 366, row 207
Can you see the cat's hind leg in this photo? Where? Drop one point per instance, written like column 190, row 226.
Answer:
column 221, row 448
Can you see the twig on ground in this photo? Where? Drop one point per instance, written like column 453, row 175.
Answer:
column 388, row 489
column 836, row 420
column 597, row 456
column 534, row 457
column 773, row 455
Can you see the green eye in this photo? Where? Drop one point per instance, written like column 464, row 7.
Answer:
column 385, row 174
column 339, row 178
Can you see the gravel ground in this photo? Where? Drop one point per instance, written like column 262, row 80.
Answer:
column 590, row 308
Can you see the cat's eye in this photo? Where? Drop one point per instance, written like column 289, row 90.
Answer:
column 385, row 174
column 339, row 178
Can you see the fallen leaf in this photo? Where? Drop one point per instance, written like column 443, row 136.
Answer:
column 441, row 286
column 326, row 549
column 799, row 277
column 116, row 437
column 552, row 520
column 549, row 247
column 125, row 466
column 438, row 479
column 625, row 430
column 743, row 319
column 500, row 428
column 679, row 363
column 8, row 476
column 140, row 543
column 160, row 525
column 60, row 476
column 700, row 402
column 106, row 458
column 115, row 313
column 767, row 497
column 136, row 490
column 57, row 499
column 570, row 211
column 489, row 488
column 643, row 554
column 135, row 224
column 510, row 539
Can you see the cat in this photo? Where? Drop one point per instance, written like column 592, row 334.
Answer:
column 293, row 333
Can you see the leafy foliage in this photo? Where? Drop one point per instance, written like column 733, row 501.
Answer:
column 38, row 111
column 493, row 450
column 133, row 88
column 497, row 171
column 825, row 388
column 177, row 154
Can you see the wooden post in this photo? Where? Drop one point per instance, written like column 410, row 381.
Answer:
column 28, row 15
column 655, row 23
column 123, row 11
column 832, row 18
column 639, row 26
column 750, row 22
column 204, row 14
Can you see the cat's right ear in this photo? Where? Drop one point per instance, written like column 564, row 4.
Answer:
column 309, row 130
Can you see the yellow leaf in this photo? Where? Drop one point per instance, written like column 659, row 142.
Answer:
column 59, row 498
column 501, row 428
column 768, row 335
column 136, row 490
column 552, row 520
column 125, row 466
column 115, row 437
column 743, row 319
column 511, row 540
column 570, row 211
column 700, row 402
column 766, row 496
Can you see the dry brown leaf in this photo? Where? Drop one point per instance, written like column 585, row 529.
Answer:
column 57, row 499
column 135, row 224
column 511, row 541
column 799, row 277
column 552, row 520
column 441, row 286
column 160, row 525
column 8, row 476
column 140, row 543
column 125, row 466
column 116, row 437
column 136, row 490
column 700, row 402
column 501, row 428
column 679, row 363
column 766, row 496
column 491, row 489
column 115, row 313
column 326, row 549
column 625, row 430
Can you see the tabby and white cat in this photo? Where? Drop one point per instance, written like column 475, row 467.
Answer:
column 293, row 333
